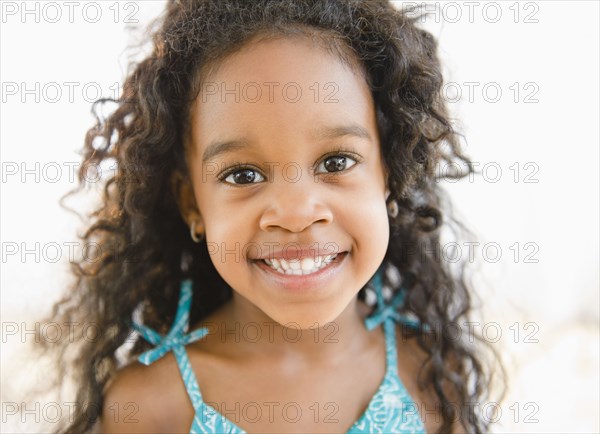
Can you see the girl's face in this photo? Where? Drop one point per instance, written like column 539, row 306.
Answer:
column 286, row 164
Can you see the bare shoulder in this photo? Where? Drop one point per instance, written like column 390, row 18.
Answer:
column 411, row 358
column 142, row 399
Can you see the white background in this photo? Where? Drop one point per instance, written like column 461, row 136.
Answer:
column 550, row 291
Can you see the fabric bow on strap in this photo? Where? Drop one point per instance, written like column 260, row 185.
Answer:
column 177, row 336
column 389, row 310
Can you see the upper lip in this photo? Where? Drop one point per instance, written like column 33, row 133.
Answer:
column 298, row 253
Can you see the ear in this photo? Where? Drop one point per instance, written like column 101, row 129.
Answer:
column 387, row 185
column 386, row 176
column 182, row 190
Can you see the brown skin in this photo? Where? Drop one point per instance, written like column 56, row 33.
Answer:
column 309, row 209
column 340, row 376
column 231, row 381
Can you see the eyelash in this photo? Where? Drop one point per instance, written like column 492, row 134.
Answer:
column 238, row 167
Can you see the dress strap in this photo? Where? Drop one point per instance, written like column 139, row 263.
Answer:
column 387, row 313
column 175, row 340
column 388, row 310
column 391, row 351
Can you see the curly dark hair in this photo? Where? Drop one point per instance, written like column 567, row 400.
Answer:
column 142, row 237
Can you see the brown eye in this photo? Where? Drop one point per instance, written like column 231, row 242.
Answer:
column 337, row 163
column 243, row 177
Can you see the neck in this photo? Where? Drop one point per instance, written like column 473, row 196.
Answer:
column 248, row 331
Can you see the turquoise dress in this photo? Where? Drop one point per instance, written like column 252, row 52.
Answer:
column 391, row 409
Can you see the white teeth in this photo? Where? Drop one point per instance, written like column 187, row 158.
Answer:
column 301, row 267
column 294, row 264
column 308, row 264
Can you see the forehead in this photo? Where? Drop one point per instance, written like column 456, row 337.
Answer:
column 271, row 51
column 283, row 87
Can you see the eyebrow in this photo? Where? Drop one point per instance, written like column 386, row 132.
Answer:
column 323, row 133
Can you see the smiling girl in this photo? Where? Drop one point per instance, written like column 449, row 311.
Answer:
column 270, row 233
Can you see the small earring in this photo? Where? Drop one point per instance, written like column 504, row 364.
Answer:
column 392, row 208
column 193, row 234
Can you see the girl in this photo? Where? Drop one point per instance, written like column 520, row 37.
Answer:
column 271, row 231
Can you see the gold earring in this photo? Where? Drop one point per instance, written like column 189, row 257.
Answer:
column 193, row 234
column 392, row 208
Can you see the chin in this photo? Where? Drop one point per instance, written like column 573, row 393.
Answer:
column 307, row 320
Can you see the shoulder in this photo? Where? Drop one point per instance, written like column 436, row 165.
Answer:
column 411, row 358
column 141, row 399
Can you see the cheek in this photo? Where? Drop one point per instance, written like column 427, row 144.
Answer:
column 230, row 229
column 367, row 220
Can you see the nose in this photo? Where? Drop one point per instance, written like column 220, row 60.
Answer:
column 295, row 207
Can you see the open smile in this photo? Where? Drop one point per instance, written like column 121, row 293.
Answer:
column 302, row 274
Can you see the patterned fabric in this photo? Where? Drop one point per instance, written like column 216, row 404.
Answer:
column 391, row 409
column 389, row 310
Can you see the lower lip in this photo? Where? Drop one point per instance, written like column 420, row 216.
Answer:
column 306, row 282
